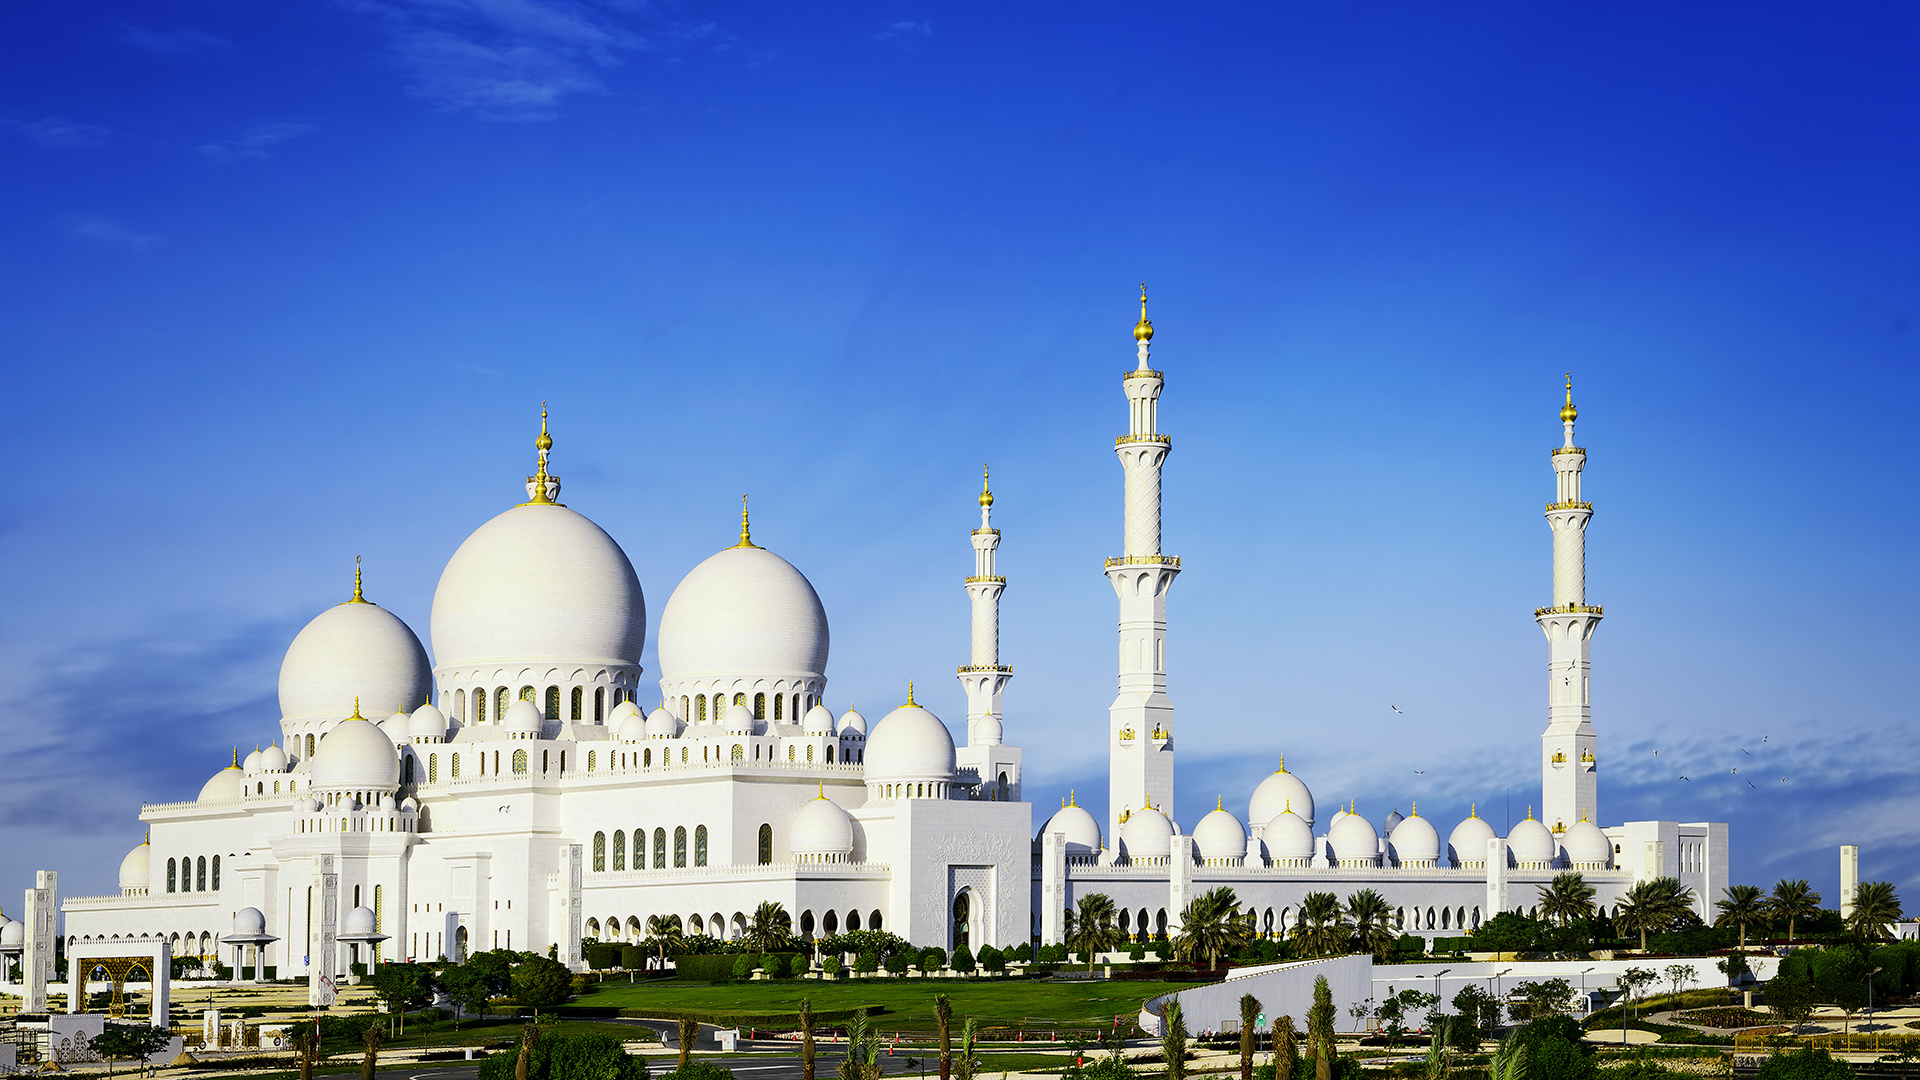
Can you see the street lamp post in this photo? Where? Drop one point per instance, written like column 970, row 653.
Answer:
column 1436, row 991
column 1586, row 1002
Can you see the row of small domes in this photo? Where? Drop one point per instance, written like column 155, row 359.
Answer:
column 630, row 726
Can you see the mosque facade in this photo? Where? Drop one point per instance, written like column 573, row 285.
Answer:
column 510, row 792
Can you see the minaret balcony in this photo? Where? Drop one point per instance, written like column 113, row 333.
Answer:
column 986, row 579
column 1141, row 373
column 1568, row 450
column 1569, row 506
column 1144, row 560
column 1163, row 440
column 986, row 669
column 1569, row 609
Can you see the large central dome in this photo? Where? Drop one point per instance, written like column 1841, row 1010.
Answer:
column 538, row 583
column 744, row 611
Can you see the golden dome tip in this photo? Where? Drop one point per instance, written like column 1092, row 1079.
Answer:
column 1143, row 330
column 1568, row 414
column 986, row 493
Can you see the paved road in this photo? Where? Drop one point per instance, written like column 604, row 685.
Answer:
column 781, row 1060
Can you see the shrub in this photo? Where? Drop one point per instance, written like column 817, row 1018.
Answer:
column 602, row 957
column 963, row 960
column 775, row 965
column 743, row 966
column 867, row 963
column 831, row 966
column 897, row 963
column 633, row 957
column 698, row 1069
column 1137, row 953
column 1807, row 1064
column 932, row 958
column 992, row 959
column 1022, row 952
column 566, row 1057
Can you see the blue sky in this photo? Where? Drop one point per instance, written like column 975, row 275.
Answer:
column 287, row 283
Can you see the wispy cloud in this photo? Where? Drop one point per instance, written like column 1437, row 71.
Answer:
column 255, row 141
column 519, row 60
column 56, row 132
column 179, row 41
column 905, row 33
column 107, row 233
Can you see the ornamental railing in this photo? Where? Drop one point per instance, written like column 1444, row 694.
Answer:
column 1141, row 373
column 972, row 669
column 1570, row 609
column 1163, row 440
column 994, row 580
column 1569, row 506
column 1144, row 560
column 1558, row 450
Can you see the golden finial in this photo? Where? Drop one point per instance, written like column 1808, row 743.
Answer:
column 823, row 791
column 1288, row 809
column 356, row 709
column 1529, row 811
column 1143, row 330
column 986, row 496
column 236, row 757
column 1070, row 801
column 910, row 702
column 746, row 528
column 1063, row 802
column 1473, row 810
column 1283, row 764
column 1583, row 813
column 149, row 839
column 1219, row 802
column 539, row 479
column 358, row 597
column 1416, row 808
column 1567, row 412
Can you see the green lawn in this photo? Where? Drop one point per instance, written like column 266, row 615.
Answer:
column 1003, row 1005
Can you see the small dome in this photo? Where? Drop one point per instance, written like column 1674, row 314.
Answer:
column 852, row 722
column 910, row 743
column 13, row 935
column 354, row 650
column 427, row 722
column 523, row 718
column 1531, row 844
column 1337, row 815
column 1415, row 842
column 1147, row 834
column 397, row 726
column 358, row 921
column 308, row 806
column 1587, row 847
column 251, row 763
column 662, row 725
column 136, row 870
column 745, row 611
column 631, row 726
column 821, row 829
column 819, row 721
column 989, row 731
column 249, row 922
column 1289, row 837
column 1220, row 836
column 1393, row 822
column 1468, row 842
column 355, row 756
column 620, row 713
column 1277, row 794
column 1353, row 839
column 227, row 784
column 1083, row 832
column 739, row 720
column 273, row 759
column 410, row 803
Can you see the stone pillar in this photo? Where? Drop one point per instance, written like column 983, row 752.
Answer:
column 572, row 867
column 36, row 959
column 1179, row 880
column 1849, row 877
column 1053, row 887
column 162, row 985
column 1496, row 877
column 321, row 963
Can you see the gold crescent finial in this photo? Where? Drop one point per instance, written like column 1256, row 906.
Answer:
column 1473, row 810
column 1567, row 412
column 910, row 701
column 1070, row 801
column 236, row 757
column 1143, row 330
column 358, row 597
column 746, row 527
column 823, row 791
column 1416, row 808
column 986, row 495
column 1283, row 764
column 356, row 709
column 1288, row 809
column 1219, row 802
column 542, row 444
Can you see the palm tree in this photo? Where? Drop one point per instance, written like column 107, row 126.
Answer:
column 1173, row 1040
column 770, row 929
column 1286, row 1047
column 1249, row 1017
column 1566, row 898
column 1320, row 1028
column 943, row 1017
column 1370, row 915
column 1211, row 925
column 664, row 934
column 863, row 1050
column 1090, row 929
column 1743, row 906
column 806, row 1039
column 1322, row 927
column 1653, row 906
column 1876, row 907
column 1793, row 901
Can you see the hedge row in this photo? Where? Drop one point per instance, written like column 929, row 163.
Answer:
column 821, row 1017
column 720, row 967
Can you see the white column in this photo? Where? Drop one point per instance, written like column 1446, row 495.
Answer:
column 1053, row 887
column 36, row 958
column 1179, row 881
column 1849, row 877
column 321, row 965
column 1496, row 877
column 1568, row 762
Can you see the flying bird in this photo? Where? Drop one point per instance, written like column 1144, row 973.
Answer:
column 1689, row 779
column 1656, row 753
column 1735, row 772
column 1750, row 784
column 1396, row 708
column 1419, row 772
column 1746, row 751
column 1763, row 738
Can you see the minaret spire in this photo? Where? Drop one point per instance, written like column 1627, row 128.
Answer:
column 1568, row 769
column 543, row 488
column 1140, row 739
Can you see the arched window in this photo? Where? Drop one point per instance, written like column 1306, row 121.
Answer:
column 790, row 752
column 810, row 753
column 646, row 758
column 543, row 762
column 593, row 756
column 759, row 706
column 778, row 700
column 479, row 706
column 460, row 704
column 599, row 852
column 829, row 753
column 455, row 770
column 639, row 849
column 739, row 753
column 216, row 874
column 659, row 849
column 766, row 844
column 200, row 875
column 853, row 921
column 499, row 704
column 739, row 698
column 700, row 845
column 520, row 762
column 433, row 768
column 700, row 709
column 553, row 703
column 806, row 924
column 830, row 924
column 579, row 699
column 309, row 746
column 406, row 770
column 599, row 704
column 528, row 693
column 619, row 850
column 679, row 846
column 170, row 875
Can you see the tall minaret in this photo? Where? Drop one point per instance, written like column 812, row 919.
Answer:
column 1567, row 766
column 995, row 764
column 1140, row 747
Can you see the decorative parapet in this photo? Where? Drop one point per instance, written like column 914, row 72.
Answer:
column 988, row 579
column 1142, row 373
column 1569, row 609
column 1558, row 450
column 1144, row 560
column 1569, row 506
column 972, row 669
column 1163, row 440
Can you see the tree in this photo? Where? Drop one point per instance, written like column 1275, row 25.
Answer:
column 964, row 1065
column 1741, row 906
column 1322, row 929
column 402, row 986
column 1791, row 999
column 863, row 1050
column 1371, row 918
column 1478, row 1009
column 1680, row 975
column 943, row 1016
column 1320, row 1019
column 1397, row 1007
column 1653, row 905
column 137, row 1041
column 665, row 936
column 1793, row 901
column 1436, row 1066
column 467, row 988
column 1286, row 1047
column 1876, row 907
column 1090, row 927
column 689, row 1030
column 1548, row 997
column 523, row 1062
column 1845, row 982
column 1634, row 979
column 1249, row 1021
column 539, row 981
column 1733, row 966
column 1510, row 1060
column 1566, row 898
column 1211, row 925
column 1508, row 931
column 306, row 1047
column 1173, row 1040
column 370, row 1061
column 770, row 929
column 806, row 1038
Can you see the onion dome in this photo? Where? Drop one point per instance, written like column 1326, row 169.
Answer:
column 307, row 806
column 852, row 723
column 355, row 756
column 989, row 731
column 1337, row 815
column 1279, row 792
column 1083, row 832
column 819, row 721
column 1221, row 838
column 629, row 724
column 1143, row 330
column 1393, row 822
column 273, row 759
column 398, row 726
column 739, row 720
column 662, row 724
column 538, row 583
column 1354, row 841
column 409, row 804
column 1568, row 414
column 1468, row 842
column 1587, row 847
column 13, row 935
column 351, row 651
column 1289, row 839
column 743, row 613
column 1532, row 846
column 251, row 763
column 821, row 832
column 910, row 743
column 1414, row 842
column 136, row 870
column 523, row 720
column 227, row 784
column 249, row 922
column 358, row 923
column 1146, row 834
column 428, row 723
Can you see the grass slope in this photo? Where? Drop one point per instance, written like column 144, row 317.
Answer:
column 997, row 1003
